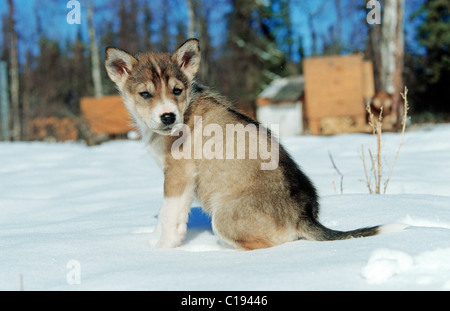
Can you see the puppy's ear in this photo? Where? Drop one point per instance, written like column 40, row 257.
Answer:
column 119, row 64
column 188, row 57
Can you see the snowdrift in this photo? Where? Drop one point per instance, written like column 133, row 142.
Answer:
column 79, row 218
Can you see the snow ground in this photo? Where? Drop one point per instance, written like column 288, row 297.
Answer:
column 79, row 218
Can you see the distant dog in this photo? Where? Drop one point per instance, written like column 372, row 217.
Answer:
column 382, row 103
column 256, row 198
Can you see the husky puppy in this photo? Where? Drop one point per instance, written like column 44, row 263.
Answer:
column 251, row 206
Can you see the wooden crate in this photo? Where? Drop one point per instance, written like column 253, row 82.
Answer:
column 52, row 129
column 368, row 80
column 106, row 115
column 335, row 87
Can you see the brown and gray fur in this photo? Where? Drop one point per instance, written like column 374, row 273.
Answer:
column 250, row 208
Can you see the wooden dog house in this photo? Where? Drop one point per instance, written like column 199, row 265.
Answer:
column 106, row 115
column 337, row 89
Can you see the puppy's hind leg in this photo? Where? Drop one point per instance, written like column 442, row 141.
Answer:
column 245, row 232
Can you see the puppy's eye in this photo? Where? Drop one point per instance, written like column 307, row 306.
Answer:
column 177, row 92
column 145, row 95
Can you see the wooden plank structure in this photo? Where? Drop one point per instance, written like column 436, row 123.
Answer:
column 336, row 90
column 52, row 129
column 106, row 115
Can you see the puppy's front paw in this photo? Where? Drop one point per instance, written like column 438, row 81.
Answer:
column 168, row 243
column 165, row 244
column 158, row 228
column 173, row 238
column 155, row 237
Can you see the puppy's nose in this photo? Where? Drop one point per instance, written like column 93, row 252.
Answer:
column 168, row 118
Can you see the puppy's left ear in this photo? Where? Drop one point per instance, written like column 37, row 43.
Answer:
column 188, row 57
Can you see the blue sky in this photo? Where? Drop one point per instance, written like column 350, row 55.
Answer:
column 53, row 18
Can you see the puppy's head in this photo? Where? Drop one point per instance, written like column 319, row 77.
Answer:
column 155, row 87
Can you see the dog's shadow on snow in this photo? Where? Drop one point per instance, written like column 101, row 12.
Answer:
column 198, row 223
column 200, row 235
column 199, row 220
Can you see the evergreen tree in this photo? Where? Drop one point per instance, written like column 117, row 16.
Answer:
column 79, row 75
column 128, row 34
column 252, row 58
column 147, row 44
column 434, row 35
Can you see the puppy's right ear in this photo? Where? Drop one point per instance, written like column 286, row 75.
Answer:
column 119, row 64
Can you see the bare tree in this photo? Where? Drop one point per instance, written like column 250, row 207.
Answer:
column 313, row 14
column 199, row 18
column 26, row 101
column 340, row 19
column 147, row 44
column 14, row 73
column 95, row 57
column 191, row 18
column 392, row 50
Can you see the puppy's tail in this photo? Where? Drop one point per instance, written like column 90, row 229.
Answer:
column 315, row 231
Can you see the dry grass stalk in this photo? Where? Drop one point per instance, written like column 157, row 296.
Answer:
column 365, row 170
column 334, row 187
column 404, row 120
column 339, row 172
column 374, row 169
column 377, row 166
column 379, row 163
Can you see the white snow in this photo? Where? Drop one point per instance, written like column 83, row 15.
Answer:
column 79, row 218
